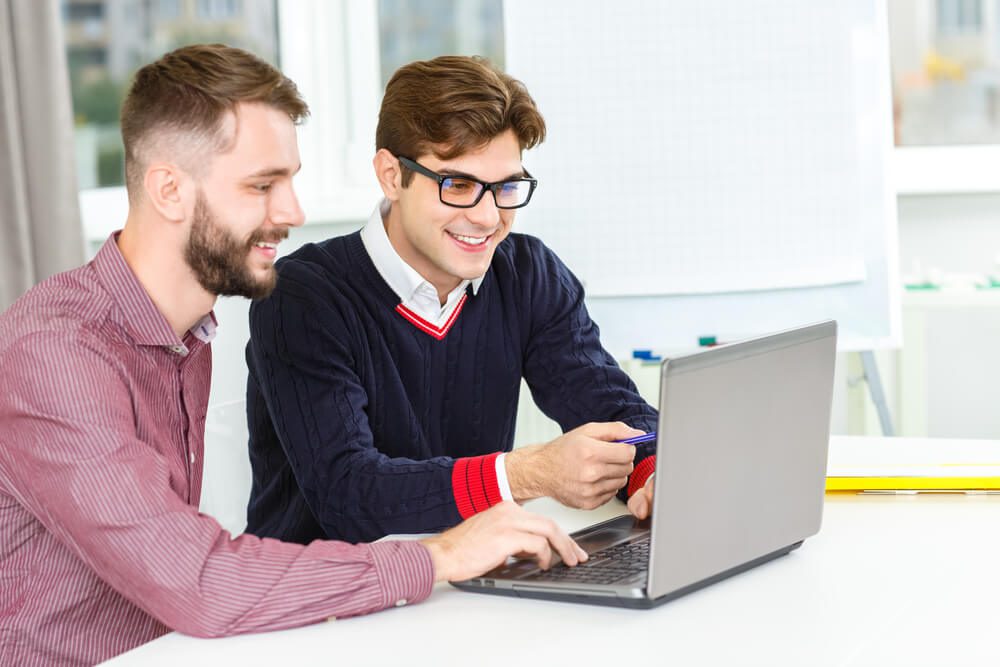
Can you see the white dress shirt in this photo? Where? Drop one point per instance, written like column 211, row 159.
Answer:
column 417, row 295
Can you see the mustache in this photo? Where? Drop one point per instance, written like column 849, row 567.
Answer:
column 276, row 235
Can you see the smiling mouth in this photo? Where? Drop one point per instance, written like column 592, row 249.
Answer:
column 266, row 245
column 471, row 240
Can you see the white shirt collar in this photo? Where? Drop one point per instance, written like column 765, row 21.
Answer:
column 205, row 329
column 400, row 276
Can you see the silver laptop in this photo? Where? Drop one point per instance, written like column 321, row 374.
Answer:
column 740, row 477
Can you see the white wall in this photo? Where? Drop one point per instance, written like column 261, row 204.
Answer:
column 954, row 233
column 947, row 373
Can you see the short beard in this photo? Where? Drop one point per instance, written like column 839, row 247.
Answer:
column 219, row 259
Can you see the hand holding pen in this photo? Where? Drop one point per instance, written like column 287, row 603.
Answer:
column 639, row 439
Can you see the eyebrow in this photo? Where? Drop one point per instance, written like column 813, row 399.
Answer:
column 274, row 171
column 462, row 174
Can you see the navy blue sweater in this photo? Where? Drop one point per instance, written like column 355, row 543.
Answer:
column 357, row 417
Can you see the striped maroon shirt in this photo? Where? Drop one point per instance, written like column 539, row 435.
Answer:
column 102, row 547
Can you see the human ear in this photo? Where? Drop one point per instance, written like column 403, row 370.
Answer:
column 388, row 173
column 164, row 187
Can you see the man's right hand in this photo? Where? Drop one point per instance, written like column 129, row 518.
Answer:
column 484, row 541
column 583, row 468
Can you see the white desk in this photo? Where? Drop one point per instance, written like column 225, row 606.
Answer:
column 889, row 580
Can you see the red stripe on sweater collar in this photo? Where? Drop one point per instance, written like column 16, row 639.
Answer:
column 425, row 326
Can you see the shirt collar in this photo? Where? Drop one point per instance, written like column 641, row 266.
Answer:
column 136, row 312
column 205, row 329
column 400, row 276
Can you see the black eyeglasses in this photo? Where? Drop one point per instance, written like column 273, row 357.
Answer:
column 465, row 192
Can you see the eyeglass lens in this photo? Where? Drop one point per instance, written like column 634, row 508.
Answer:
column 463, row 192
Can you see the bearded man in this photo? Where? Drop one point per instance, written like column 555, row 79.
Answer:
column 105, row 380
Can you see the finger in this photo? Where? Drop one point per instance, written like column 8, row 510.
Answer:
column 554, row 536
column 610, row 431
column 593, row 502
column 611, row 485
column 543, row 551
column 533, row 546
column 633, row 507
column 568, row 550
column 607, row 471
column 640, row 495
column 597, row 494
column 613, row 452
column 639, row 505
column 647, row 497
column 647, row 507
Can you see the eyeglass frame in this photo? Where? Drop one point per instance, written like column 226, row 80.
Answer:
column 413, row 165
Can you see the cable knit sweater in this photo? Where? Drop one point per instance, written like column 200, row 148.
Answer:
column 363, row 422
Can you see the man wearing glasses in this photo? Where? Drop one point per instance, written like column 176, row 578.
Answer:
column 386, row 366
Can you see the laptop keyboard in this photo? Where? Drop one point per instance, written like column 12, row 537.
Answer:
column 614, row 564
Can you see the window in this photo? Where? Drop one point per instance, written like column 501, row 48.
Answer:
column 946, row 71
column 218, row 10
column 945, row 57
column 168, row 9
column 81, row 11
column 959, row 16
column 418, row 30
column 83, row 57
column 339, row 53
column 107, row 40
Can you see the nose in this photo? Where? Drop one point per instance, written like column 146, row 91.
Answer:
column 485, row 213
column 285, row 208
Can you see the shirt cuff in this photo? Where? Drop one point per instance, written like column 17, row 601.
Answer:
column 640, row 474
column 502, row 483
column 405, row 571
column 474, row 484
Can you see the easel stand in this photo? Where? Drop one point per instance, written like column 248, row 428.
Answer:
column 874, row 382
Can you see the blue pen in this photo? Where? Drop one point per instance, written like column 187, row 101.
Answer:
column 639, row 439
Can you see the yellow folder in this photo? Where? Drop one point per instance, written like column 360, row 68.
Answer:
column 918, row 464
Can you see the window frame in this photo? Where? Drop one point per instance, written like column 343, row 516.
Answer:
column 952, row 168
column 929, row 170
column 331, row 50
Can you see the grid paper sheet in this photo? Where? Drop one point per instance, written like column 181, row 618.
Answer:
column 699, row 147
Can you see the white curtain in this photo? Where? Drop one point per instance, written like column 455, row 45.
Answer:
column 39, row 209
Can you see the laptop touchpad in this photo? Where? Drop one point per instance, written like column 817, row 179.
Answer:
column 611, row 532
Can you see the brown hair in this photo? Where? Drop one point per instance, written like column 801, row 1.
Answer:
column 453, row 104
column 189, row 91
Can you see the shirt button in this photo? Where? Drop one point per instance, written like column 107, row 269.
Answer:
column 192, row 457
column 400, row 603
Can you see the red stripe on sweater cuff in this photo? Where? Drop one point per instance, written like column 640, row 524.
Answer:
column 474, row 483
column 640, row 474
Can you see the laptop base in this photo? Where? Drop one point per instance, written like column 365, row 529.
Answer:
column 608, row 598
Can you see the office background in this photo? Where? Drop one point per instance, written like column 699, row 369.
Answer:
column 945, row 59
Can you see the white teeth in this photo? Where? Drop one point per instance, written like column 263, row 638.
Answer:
column 471, row 240
column 264, row 244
